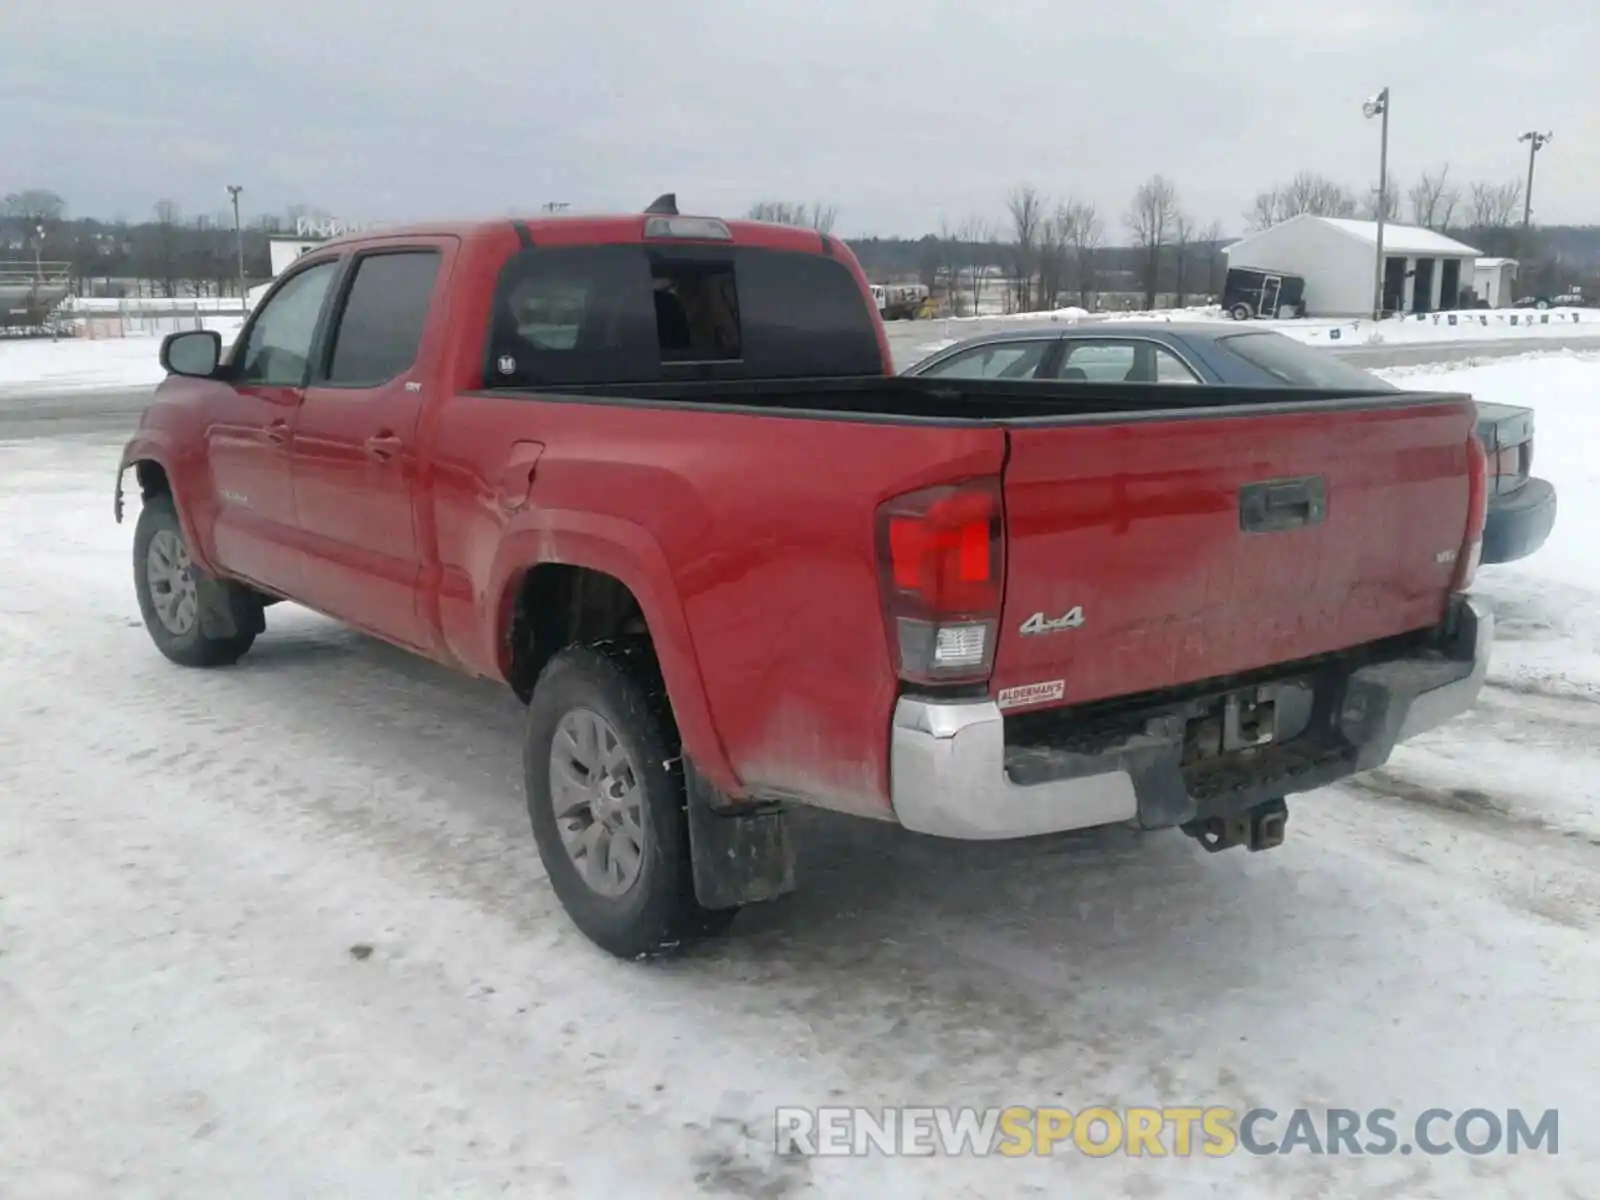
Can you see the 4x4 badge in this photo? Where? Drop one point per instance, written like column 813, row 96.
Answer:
column 1039, row 623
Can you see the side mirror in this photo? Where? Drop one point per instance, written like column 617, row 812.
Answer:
column 194, row 352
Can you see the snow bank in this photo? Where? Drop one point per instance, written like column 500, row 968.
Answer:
column 1546, row 667
column 1428, row 327
column 915, row 340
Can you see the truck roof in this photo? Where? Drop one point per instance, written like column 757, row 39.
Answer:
column 589, row 229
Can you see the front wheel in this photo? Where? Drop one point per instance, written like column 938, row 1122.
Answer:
column 606, row 799
column 1241, row 312
column 174, row 595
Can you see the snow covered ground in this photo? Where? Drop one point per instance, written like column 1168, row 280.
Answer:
column 36, row 366
column 280, row 930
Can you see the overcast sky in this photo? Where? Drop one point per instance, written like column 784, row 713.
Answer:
column 900, row 112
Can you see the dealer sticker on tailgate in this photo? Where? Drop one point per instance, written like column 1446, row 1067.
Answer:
column 1032, row 693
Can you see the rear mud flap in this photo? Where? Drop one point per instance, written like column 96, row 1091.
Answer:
column 226, row 610
column 739, row 857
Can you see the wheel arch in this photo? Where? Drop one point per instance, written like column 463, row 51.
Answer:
column 558, row 589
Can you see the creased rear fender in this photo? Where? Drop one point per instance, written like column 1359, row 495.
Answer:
column 628, row 553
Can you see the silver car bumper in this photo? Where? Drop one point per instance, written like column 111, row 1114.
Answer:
column 953, row 773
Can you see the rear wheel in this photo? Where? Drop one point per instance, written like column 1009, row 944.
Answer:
column 1241, row 312
column 174, row 593
column 606, row 801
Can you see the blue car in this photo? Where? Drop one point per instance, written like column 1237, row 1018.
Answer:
column 1522, row 509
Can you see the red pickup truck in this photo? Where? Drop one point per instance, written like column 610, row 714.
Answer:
column 655, row 472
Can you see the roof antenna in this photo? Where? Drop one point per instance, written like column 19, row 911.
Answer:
column 666, row 204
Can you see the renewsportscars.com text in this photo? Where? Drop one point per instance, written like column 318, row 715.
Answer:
column 1180, row 1131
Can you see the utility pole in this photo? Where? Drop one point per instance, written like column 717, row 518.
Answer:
column 1536, row 142
column 1379, row 106
column 238, row 237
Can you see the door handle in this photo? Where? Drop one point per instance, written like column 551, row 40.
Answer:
column 384, row 446
column 278, row 432
column 1274, row 505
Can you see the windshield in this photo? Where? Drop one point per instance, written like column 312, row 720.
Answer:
column 1299, row 365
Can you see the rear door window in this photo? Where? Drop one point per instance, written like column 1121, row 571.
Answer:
column 385, row 311
column 625, row 314
column 1097, row 360
column 574, row 315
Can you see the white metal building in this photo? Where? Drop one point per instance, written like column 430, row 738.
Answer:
column 283, row 250
column 1494, row 279
column 309, row 232
column 1336, row 256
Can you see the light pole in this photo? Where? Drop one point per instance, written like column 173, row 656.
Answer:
column 1536, row 142
column 1375, row 107
column 238, row 237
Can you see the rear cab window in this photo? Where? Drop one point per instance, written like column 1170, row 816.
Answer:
column 646, row 312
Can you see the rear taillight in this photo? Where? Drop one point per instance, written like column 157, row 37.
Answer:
column 1477, row 513
column 941, row 563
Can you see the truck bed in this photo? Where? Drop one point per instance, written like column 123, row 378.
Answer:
column 945, row 401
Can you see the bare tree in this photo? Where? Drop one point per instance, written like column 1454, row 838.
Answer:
column 1055, row 252
column 977, row 237
column 1494, row 205
column 1211, row 238
column 824, row 216
column 1150, row 219
column 1391, row 202
column 34, row 204
column 167, row 218
column 1264, row 210
column 1434, row 199
column 1182, row 235
column 1086, row 234
column 819, row 216
column 947, row 266
column 1307, row 192
column 1026, row 207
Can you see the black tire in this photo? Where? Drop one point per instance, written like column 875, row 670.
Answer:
column 190, row 646
column 658, row 913
column 1241, row 312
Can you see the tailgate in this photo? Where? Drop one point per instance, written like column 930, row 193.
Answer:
column 1149, row 553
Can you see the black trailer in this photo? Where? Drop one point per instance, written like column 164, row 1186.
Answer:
column 1247, row 294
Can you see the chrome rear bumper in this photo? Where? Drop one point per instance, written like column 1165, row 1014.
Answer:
column 952, row 773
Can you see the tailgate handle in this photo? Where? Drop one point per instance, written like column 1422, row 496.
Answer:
column 1276, row 504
